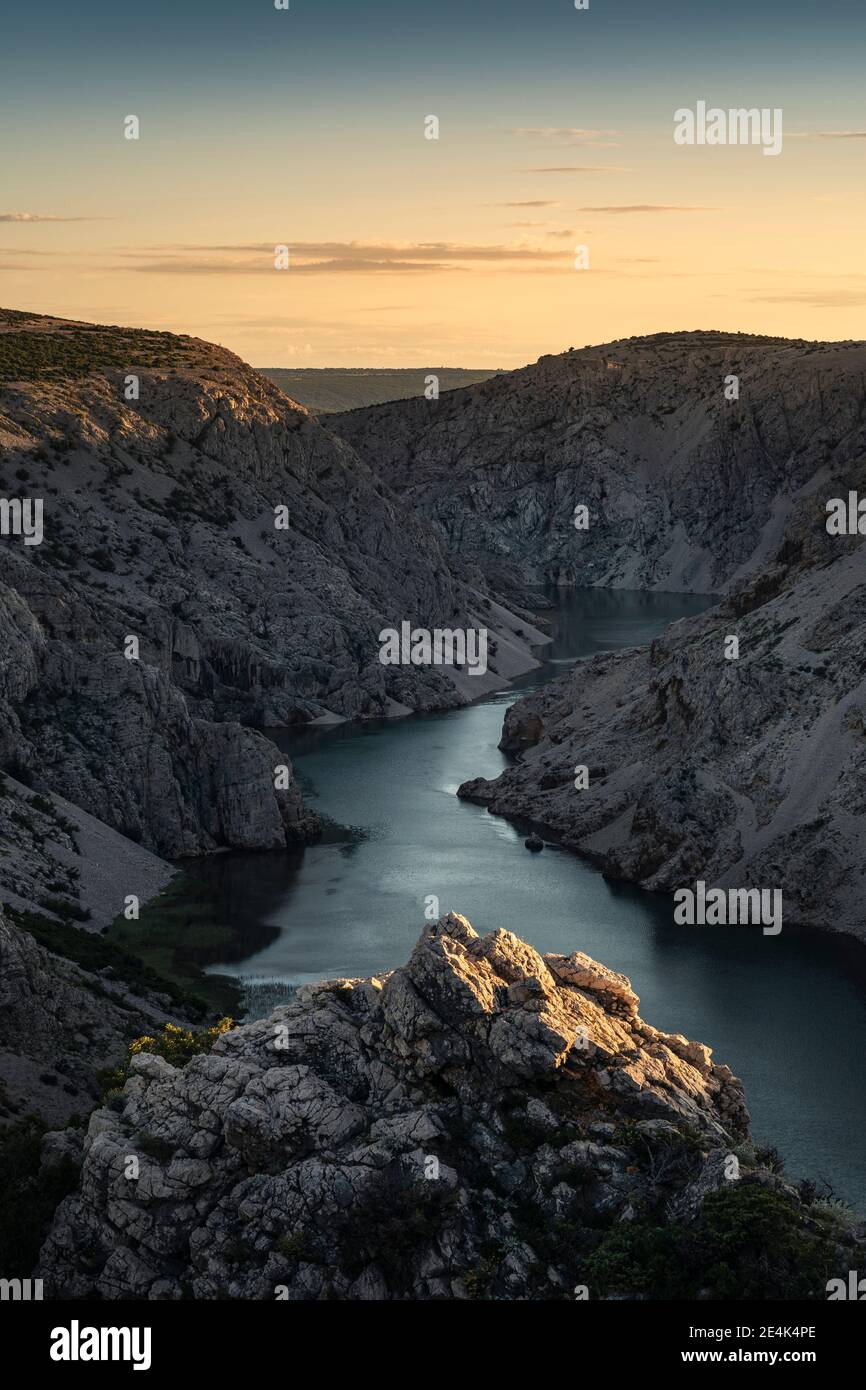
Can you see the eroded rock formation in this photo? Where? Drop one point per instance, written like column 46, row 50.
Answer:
column 379, row 1138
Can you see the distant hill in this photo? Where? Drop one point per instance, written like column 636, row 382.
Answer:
column 326, row 389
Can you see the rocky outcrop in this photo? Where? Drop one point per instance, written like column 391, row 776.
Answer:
column 685, row 489
column 742, row 771
column 212, row 560
column 380, row 1138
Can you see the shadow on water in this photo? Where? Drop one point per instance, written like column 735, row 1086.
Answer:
column 787, row 1013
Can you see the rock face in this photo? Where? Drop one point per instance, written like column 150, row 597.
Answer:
column 745, row 772
column 377, row 1138
column 685, row 489
column 159, row 519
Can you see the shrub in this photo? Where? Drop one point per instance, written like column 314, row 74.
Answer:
column 392, row 1223
column 749, row 1241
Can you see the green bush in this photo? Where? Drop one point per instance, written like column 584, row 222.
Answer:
column 177, row 1045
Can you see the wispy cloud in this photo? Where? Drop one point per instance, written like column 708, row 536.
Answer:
column 578, row 169
column 332, row 257
column 567, row 135
column 816, row 299
column 825, row 135
column 648, row 207
column 39, row 217
column 526, row 203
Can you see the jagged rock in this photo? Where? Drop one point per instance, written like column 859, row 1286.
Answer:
column 534, row 842
column 445, row 1097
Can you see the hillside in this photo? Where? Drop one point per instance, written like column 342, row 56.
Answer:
column 686, row 490
column 742, row 772
column 159, row 525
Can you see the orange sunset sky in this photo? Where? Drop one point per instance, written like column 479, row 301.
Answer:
column 306, row 127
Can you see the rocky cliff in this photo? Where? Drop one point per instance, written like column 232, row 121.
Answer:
column 744, row 771
column 686, row 489
column 483, row 1122
column 212, row 560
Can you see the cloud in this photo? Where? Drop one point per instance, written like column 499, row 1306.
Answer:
column 816, row 299
column 648, row 207
column 31, row 254
column 567, row 135
column 39, row 217
column 825, row 135
column 578, row 169
column 333, row 258
column 526, row 203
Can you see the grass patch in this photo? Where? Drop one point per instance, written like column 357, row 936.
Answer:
column 177, row 933
column 177, row 1045
column 94, row 952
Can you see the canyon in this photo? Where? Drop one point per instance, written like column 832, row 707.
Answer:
column 737, row 772
column 158, row 524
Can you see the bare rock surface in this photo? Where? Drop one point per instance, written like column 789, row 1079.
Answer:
column 58, row 860
column 440, row 1101
column 686, row 490
column 159, row 524
column 744, row 773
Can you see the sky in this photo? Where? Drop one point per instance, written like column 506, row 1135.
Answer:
column 555, row 208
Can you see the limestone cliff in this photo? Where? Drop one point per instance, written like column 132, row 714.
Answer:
column 60, row 1024
column 161, row 462
column 686, row 489
column 744, row 772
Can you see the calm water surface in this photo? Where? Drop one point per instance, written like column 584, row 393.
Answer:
column 787, row 1013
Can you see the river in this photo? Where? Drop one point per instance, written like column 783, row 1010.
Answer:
column 787, row 1013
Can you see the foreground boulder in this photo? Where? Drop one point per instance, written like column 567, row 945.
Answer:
column 481, row 1122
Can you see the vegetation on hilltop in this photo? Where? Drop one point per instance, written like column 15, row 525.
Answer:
column 70, row 351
